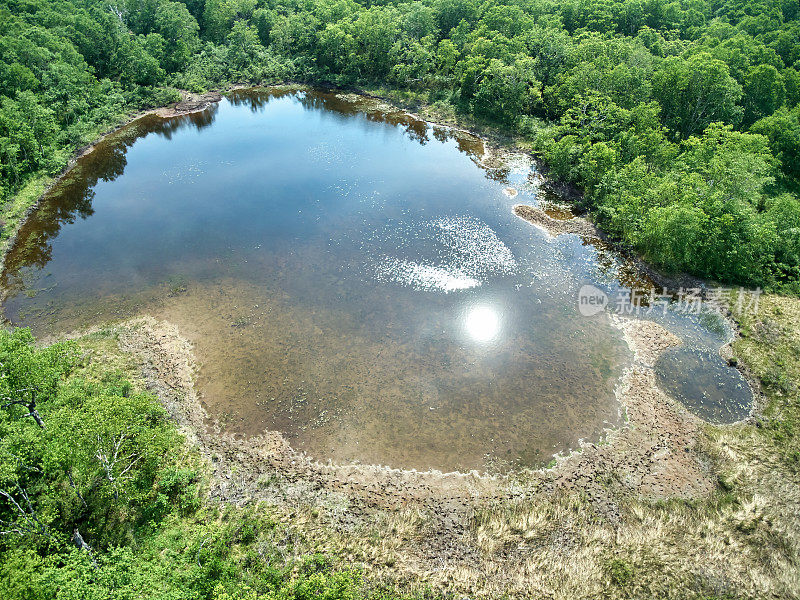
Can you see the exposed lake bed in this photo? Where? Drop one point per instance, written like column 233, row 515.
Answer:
column 491, row 371
column 430, row 526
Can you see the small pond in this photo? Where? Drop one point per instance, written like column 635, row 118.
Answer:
column 349, row 275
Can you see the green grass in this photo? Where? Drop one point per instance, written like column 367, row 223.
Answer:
column 14, row 210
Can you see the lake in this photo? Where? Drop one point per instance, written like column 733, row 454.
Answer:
column 349, row 275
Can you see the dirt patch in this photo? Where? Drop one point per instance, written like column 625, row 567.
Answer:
column 191, row 103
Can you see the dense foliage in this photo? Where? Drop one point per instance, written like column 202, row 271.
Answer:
column 99, row 499
column 679, row 120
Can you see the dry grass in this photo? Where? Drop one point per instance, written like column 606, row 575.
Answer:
column 739, row 544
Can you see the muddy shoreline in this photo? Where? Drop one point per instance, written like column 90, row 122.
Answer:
column 584, row 228
column 167, row 365
column 657, row 454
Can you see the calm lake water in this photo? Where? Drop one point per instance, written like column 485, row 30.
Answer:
column 350, row 277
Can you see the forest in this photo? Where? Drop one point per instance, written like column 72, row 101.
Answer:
column 678, row 121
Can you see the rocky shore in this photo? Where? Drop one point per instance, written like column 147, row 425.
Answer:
column 190, row 103
column 554, row 227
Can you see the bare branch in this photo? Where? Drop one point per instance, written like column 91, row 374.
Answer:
column 81, row 544
column 115, row 463
column 27, row 522
column 29, row 404
column 75, row 488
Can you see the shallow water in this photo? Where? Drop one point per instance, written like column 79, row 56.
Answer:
column 705, row 384
column 349, row 276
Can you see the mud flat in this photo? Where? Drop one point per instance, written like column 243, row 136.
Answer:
column 555, row 227
column 654, row 455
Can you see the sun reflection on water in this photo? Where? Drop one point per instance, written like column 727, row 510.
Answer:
column 482, row 323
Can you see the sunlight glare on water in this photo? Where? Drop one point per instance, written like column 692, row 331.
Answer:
column 444, row 254
column 482, row 323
